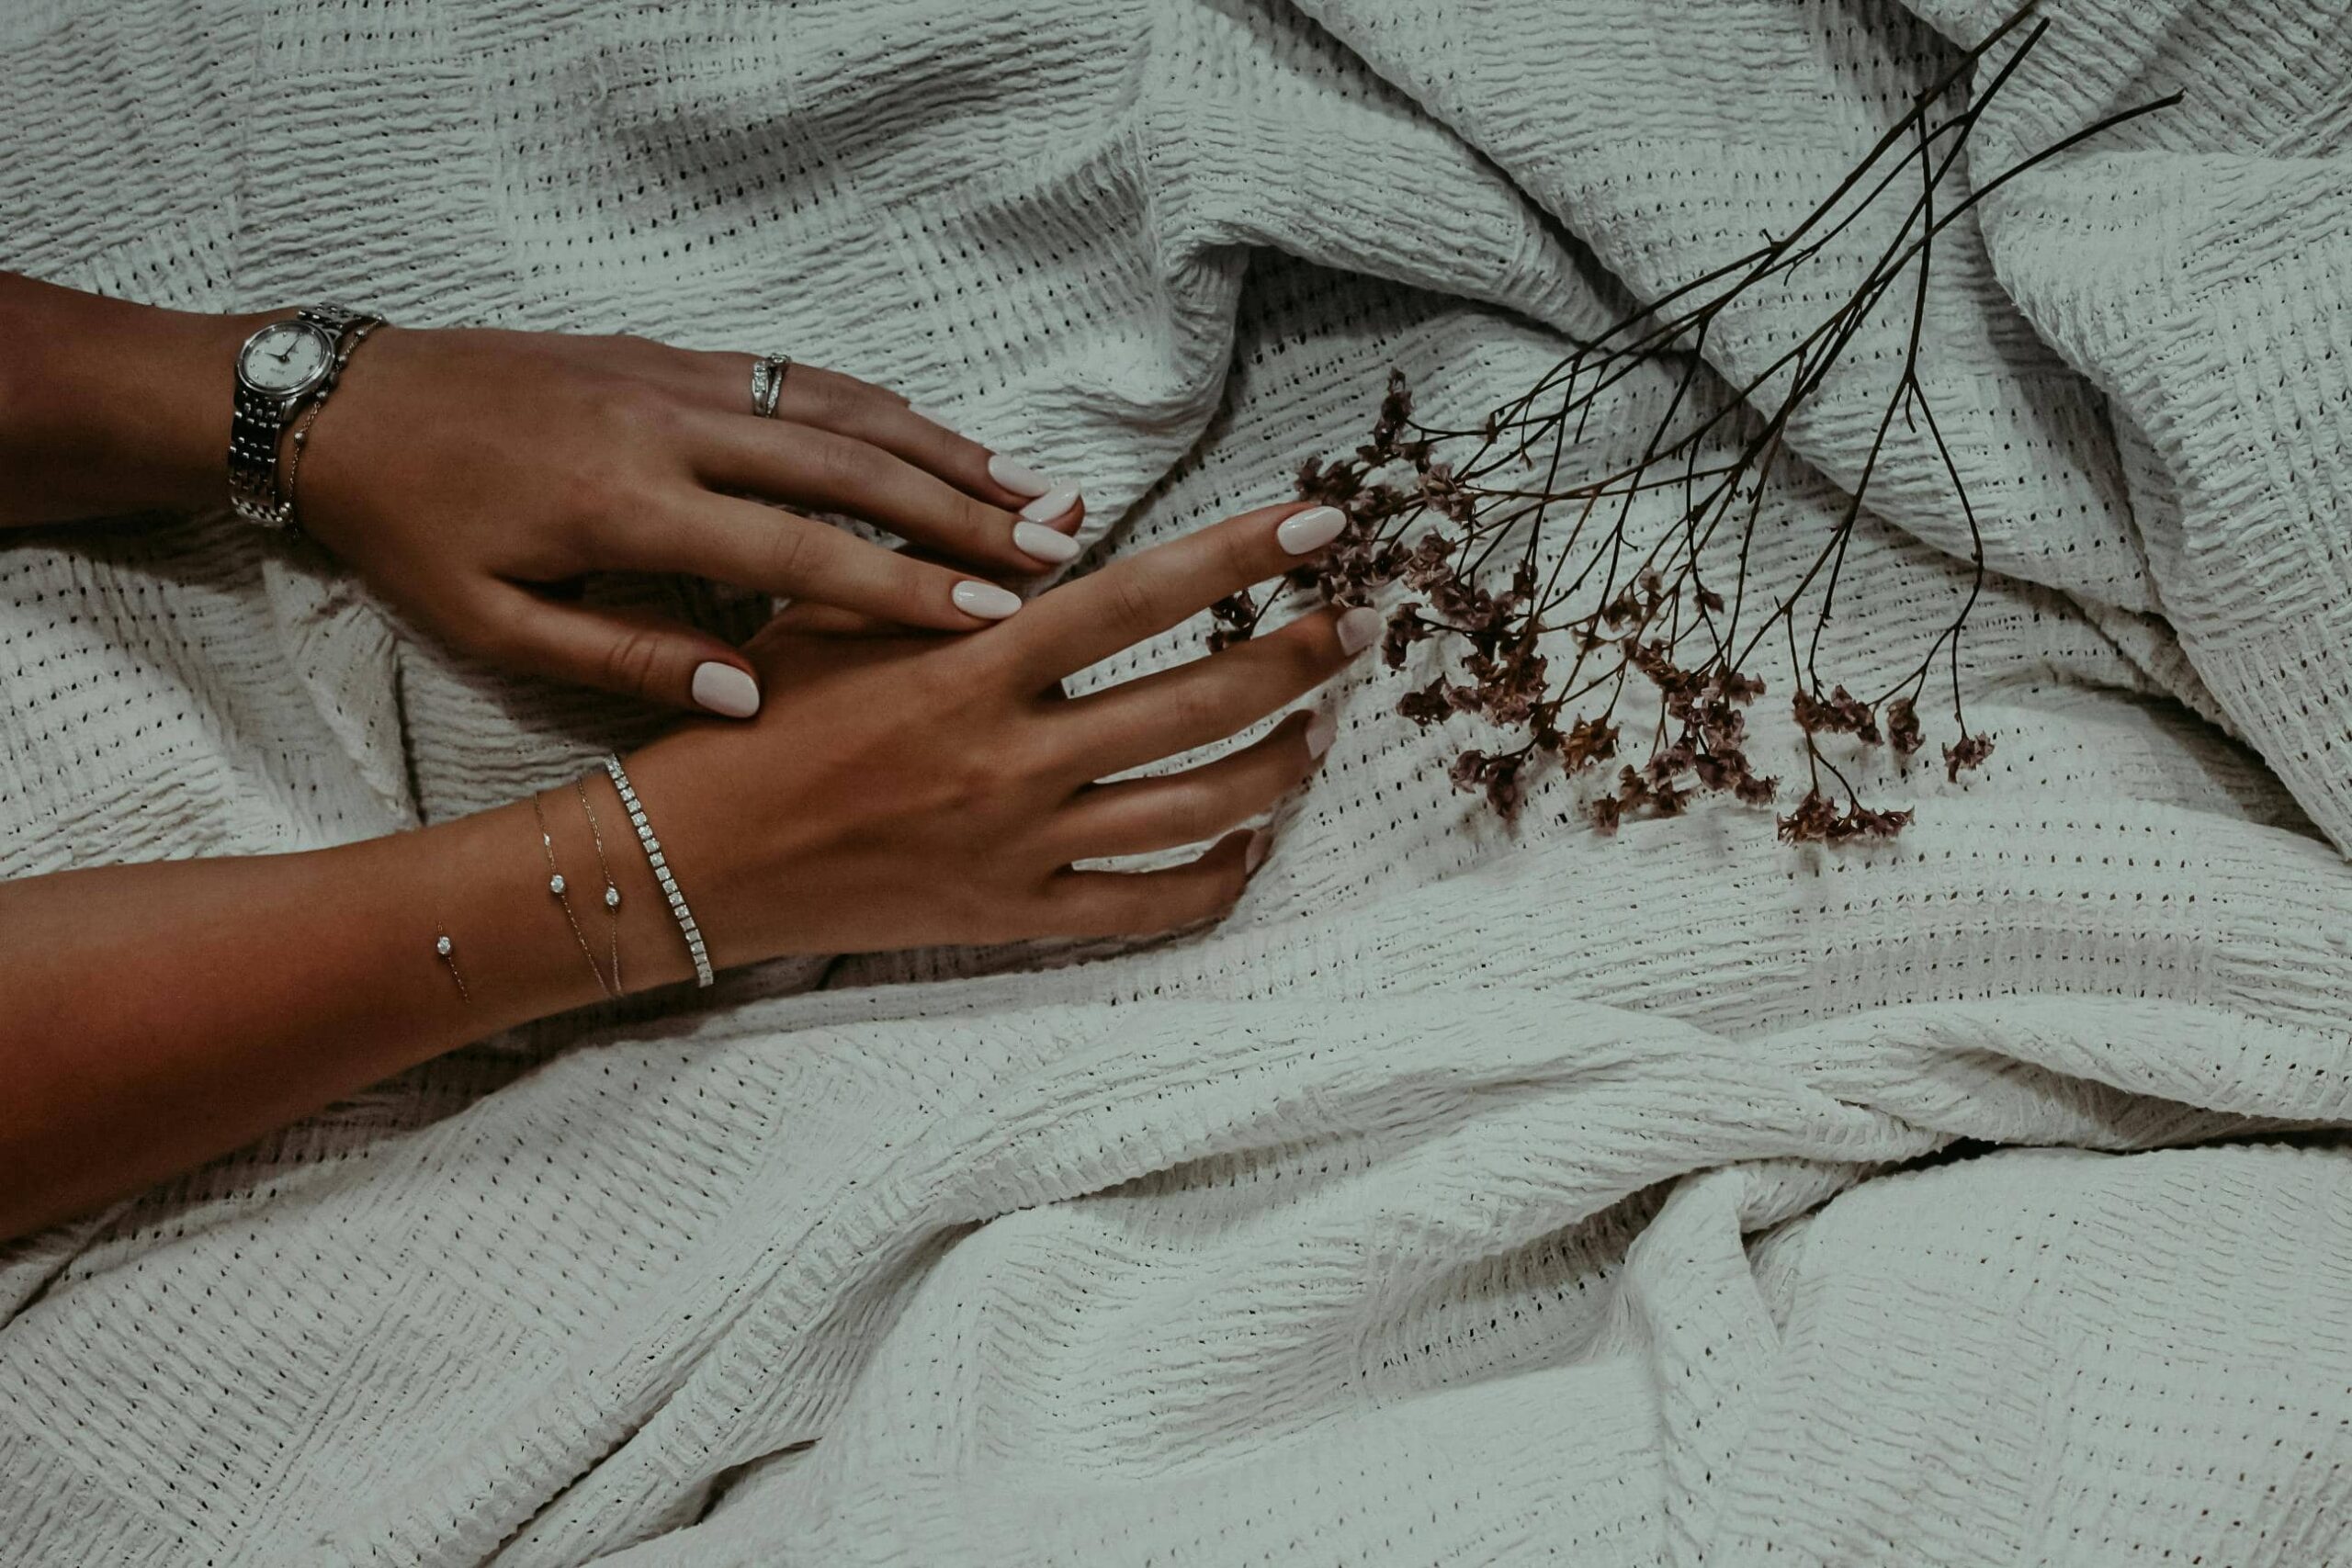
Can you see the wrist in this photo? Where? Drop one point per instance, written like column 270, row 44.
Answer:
column 485, row 890
column 653, row 947
column 728, row 883
column 111, row 406
column 539, row 953
column 187, row 444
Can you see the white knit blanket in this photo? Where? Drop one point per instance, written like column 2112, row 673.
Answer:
column 1467, row 1196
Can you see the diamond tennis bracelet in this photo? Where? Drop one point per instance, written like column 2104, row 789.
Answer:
column 695, row 949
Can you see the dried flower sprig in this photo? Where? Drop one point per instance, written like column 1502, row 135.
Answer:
column 1658, row 608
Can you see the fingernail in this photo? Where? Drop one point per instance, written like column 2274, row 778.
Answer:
column 1357, row 628
column 1311, row 529
column 1322, row 728
column 723, row 689
column 1043, row 543
column 1255, row 855
column 1054, row 503
column 985, row 600
column 1018, row 478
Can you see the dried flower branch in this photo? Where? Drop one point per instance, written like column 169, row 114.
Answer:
column 1656, row 610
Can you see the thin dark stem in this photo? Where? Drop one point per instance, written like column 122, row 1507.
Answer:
column 1633, row 596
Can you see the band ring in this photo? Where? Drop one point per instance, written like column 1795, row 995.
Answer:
column 767, row 382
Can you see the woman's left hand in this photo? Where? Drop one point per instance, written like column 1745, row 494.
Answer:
column 469, row 475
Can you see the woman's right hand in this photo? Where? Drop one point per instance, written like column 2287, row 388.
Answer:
column 897, row 789
column 910, row 790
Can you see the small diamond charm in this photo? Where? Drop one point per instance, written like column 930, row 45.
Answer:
column 555, row 884
column 611, row 897
column 448, row 951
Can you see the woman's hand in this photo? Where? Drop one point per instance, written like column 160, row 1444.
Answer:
column 465, row 474
column 902, row 791
column 896, row 789
column 472, row 476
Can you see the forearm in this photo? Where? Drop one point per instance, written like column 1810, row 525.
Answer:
column 107, row 406
column 160, row 1014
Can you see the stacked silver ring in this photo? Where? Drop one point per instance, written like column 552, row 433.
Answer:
column 767, row 382
column 678, row 910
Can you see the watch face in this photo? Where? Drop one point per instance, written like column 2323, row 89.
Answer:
column 285, row 356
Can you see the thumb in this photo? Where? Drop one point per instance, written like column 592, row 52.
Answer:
column 632, row 652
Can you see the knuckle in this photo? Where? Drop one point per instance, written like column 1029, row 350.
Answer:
column 617, row 500
column 633, row 661
column 1041, row 756
column 1237, row 550
column 959, row 788
column 995, row 659
column 622, row 405
column 1131, row 611
column 628, row 427
column 839, row 466
column 586, row 491
column 784, row 558
column 983, row 779
column 829, row 396
column 984, row 525
column 1301, row 659
column 1194, row 814
column 1195, row 710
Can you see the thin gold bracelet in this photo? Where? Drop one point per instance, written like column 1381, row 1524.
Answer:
column 301, row 437
column 448, row 950
column 612, row 889
column 558, row 887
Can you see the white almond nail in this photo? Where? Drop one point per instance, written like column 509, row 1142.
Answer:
column 1054, row 502
column 1018, row 478
column 1357, row 628
column 1036, row 541
column 1311, row 529
column 1255, row 855
column 1322, row 728
column 723, row 689
column 985, row 600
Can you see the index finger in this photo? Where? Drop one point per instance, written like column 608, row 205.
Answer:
column 1071, row 627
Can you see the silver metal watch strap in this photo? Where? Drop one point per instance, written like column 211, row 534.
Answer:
column 254, row 430
column 257, row 421
column 337, row 319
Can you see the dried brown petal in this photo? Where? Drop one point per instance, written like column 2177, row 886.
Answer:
column 1426, row 706
column 1839, row 712
column 1405, row 628
column 1903, row 731
column 1588, row 741
column 1504, row 792
column 1968, row 752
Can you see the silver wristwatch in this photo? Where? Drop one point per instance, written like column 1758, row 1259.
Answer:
column 282, row 366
